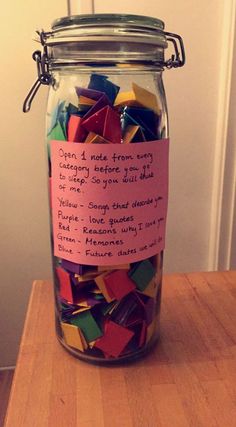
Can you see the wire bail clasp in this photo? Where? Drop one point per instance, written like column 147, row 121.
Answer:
column 44, row 76
column 178, row 58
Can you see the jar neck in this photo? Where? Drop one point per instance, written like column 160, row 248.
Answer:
column 106, row 53
column 114, row 67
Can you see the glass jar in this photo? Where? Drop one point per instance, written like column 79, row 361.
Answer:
column 107, row 145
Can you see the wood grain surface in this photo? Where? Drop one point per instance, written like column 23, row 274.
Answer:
column 188, row 380
column 6, row 376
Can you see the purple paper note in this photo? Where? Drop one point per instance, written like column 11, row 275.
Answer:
column 75, row 268
column 149, row 310
column 89, row 93
column 102, row 102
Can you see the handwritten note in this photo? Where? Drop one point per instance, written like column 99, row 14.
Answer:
column 109, row 202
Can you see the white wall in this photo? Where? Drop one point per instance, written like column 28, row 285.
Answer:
column 192, row 97
column 192, row 94
column 227, row 244
column 24, row 245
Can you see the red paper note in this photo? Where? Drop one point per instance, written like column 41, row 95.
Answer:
column 76, row 133
column 102, row 102
column 119, row 284
column 95, row 123
column 112, row 129
column 65, row 285
column 114, row 340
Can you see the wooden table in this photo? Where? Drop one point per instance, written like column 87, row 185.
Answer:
column 188, row 380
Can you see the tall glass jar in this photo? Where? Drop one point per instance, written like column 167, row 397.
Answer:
column 107, row 145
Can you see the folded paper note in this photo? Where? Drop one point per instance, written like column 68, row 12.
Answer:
column 72, row 336
column 152, row 288
column 95, row 122
column 142, row 274
column 102, row 286
column 130, row 133
column 146, row 98
column 103, row 268
column 103, row 101
column 65, row 284
column 88, row 326
column 92, row 138
column 126, row 98
column 112, row 128
column 89, row 93
column 146, row 119
column 56, row 114
column 119, row 284
column 86, row 101
column 76, row 268
column 101, row 82
column 114, row 340
column 106, row 123
column 76, row 131
column 57, row 133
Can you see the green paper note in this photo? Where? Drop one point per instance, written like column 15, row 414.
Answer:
column 143, row 274
column 88, row 326
column 57, row 134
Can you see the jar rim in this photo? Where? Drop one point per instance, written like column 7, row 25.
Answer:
column 108, row 19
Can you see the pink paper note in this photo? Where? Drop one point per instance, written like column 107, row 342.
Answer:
column 109, row 201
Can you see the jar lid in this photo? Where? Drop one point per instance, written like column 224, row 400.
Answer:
column 102, row 29
column 110, row 38
column 107, row 27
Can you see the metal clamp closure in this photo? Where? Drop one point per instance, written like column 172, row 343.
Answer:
column 44, row 76
column 178, row 58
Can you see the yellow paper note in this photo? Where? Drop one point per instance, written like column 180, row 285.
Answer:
column 93, row 138
column 84, row 342
column 83, row 303
column 80, row 310
column 90, row 137
column 151, row 330
column 96, row 291
column 126, row 98
column 152, row 288
column 91, row 344
column 72, row 336
column 113, row 267
column 86, row 277
column 86, row 101
column 146, row 98
column 130, row 133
